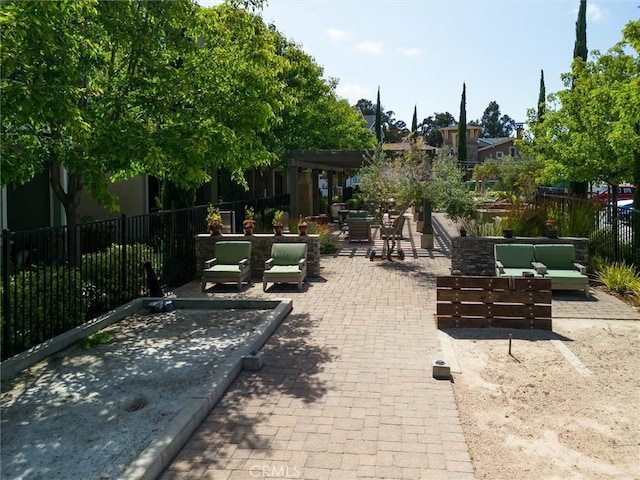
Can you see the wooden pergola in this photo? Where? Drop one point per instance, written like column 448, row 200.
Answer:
column 304, row 168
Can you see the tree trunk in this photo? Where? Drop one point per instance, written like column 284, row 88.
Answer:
column 70, row 200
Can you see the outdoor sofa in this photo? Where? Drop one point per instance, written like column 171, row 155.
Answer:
column 554, row 261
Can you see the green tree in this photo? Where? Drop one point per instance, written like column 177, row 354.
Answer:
column 541, row 98
column 462, row 129
column 495, row 125
column 580, row 51
column 397, row 179
column 312, row 116
column 580, row 45
column 127, row 88
column 430, row 128
column 366, row 107
column 591, row 129
column 378, row 124
column 414, row 121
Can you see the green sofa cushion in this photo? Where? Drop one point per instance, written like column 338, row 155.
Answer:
column 517, row 272
column 564, row 277
column 556, row 256
column 513, row 255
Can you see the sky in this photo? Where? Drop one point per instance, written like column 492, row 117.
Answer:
column 420, row 52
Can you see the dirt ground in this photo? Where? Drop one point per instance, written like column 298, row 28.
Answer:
column 88, row 411
column 545, row 412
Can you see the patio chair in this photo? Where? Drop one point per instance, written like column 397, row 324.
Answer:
column 232, row 263
column 359, row 226
column 288, row 264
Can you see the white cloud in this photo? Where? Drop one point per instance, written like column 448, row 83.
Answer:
column 337, row 35
column 411, row 52
column 353, row 92
column 595, row 13
column 370, row 47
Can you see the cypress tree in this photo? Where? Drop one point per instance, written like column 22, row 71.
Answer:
column 580, row 189
column 414, row 122
column 541, row 98
column 580, row 47
column 378, row 124
column 462, row 129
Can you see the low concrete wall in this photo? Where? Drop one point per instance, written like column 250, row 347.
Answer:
column 260, row 250
column 474, row 255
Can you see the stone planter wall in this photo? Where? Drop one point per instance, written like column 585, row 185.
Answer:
column 260, row 250
column 474, row 255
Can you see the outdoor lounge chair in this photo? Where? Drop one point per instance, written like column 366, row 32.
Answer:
column 232, row 263
column 288, row 264
column 516, row 260
column 359, row 226
column 561, row 267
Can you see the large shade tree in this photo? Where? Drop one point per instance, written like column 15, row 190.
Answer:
column 99, row 91
column 591, row 129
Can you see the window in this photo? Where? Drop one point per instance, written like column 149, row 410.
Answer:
column 512, row 151
column 499, row 154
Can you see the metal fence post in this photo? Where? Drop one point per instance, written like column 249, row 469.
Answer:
column 123, row 244
column 6, row 294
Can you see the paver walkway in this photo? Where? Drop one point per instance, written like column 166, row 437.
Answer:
column 347, row 389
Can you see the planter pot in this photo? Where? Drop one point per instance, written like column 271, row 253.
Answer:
column 277, row 230
column 248, row 231
column 302, row 229
column 507, row 233
column 463, row 233
column 215, row 231
column 552, row 234
column 426, row 241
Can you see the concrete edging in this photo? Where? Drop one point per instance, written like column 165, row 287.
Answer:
column 158, row 455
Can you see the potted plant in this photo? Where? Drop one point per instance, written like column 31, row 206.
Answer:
column 302, row 226
column 278, row 226
column 214, row 220
column 249, row 222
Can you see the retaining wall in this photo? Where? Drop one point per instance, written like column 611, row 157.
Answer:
column 474, row 255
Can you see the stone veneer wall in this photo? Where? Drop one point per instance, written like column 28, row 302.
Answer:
column 260, row 250
column 474, row 255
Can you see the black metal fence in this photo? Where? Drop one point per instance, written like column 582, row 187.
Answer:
column 54, row 279
column 613, row 231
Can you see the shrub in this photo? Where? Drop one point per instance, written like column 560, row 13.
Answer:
column 45, row 301
column 327, row 242
column 103, row 272
column 619, row 278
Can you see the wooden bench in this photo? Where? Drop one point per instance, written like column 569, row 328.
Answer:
column 511, row 302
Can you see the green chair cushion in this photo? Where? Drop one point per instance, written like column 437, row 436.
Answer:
column 556, row 256
column 288, row 253
column 286, row 271
column 225, row 271
column 229, row 253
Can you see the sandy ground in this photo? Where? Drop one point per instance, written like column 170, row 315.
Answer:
column 86, row 413
column 543, row 413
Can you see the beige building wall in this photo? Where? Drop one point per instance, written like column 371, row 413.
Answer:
column 132, row 197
